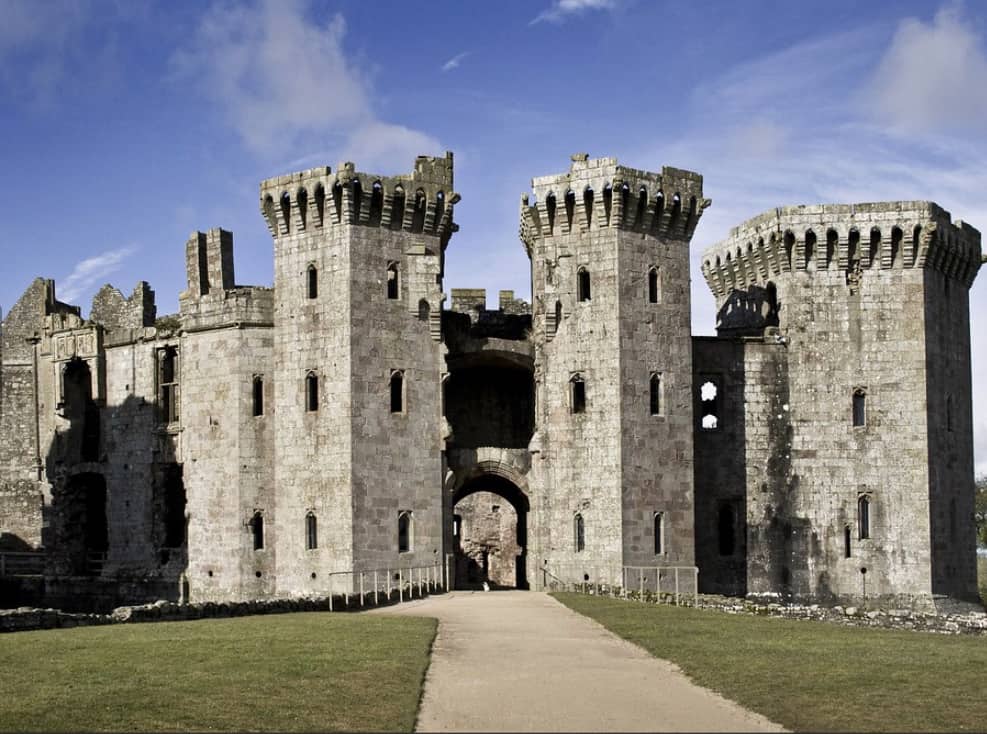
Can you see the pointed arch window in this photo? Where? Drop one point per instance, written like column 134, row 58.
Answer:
column 405, row 531
column 863, row 517
column 579, row 532
column 397, row 391
column 393, row 281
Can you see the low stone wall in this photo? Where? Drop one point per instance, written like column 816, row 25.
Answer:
column 902, row 619
column 27, row 618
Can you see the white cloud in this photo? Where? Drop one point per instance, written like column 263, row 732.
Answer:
column 88, row 273
column 560, row 10
column 284, row 81
column 933, row 76
column 455, row 61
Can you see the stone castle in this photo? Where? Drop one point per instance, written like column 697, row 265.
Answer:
column 263, row 439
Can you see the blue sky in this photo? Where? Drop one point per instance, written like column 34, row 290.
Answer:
column 127, row 126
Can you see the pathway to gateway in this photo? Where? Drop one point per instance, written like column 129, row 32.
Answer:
column 521, row 661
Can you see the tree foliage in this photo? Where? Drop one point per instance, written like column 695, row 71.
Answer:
column 980, row 510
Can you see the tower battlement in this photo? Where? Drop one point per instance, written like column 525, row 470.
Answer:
column 599, row 193
column 421, row 201
column 852, row 237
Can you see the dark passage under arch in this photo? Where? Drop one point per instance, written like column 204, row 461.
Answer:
column 491, row 530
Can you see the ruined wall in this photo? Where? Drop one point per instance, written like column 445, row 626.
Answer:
column 614, row 464
column 851, row 305
column 488, row 544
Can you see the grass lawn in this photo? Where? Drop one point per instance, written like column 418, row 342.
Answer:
column 811, row 675
column 283, row 672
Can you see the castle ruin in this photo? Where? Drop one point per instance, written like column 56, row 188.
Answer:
column 818, row 448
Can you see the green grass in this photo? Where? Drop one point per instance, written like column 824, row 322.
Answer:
column 812, row 675
column 286, row 672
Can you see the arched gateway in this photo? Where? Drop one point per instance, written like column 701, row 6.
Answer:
column 490, row 533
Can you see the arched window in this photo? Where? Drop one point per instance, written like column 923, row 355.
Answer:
column 311, row 531
column 874, row 255
column 577, row 394
column 269, row 215
column 654, row 285
column 393, row 281
column 423, row 310
column 257, row 530
column 789, row 243
column 676, row 212
column 311, row 392
column 588, row 205
column 570, row 209
column 337, row 200
column 607, row 202
column 642, row 207
column 810, row 250
column 659, row 532
column 859, row 407
column 832, row 241
column 550, row 210
column 356, row 199
column 258, row 395
column 405, row 531
column 376, row 204
column 582, row 285
column 579, row 533
column 863, row 517
column 896, row 237
column 312, row 278
column 655, row 396
column 418, row 217
column 397, row 391
column 726, row 523
column 397, row 208
column 659, row 208
column 320, row 204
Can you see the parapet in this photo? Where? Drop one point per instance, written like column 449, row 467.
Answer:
column 598, row 193
column 420, row 202
column 115, row 312
column 850, row 237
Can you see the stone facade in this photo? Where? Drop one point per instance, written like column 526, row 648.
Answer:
column 264, row 442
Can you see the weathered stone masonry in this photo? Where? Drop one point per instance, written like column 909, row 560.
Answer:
column 819, row 448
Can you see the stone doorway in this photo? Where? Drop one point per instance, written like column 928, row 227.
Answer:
column 490, row 528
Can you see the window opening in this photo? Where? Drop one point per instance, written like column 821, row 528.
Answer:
column 579, row 533
column 393, row 282
column 376, row 204
column 655, row 402
column 257, row 530
column 174, row 507
column 258, row 395
column 577, row 389
column 709, row 408
column 397, row 391
column 337, row 200
column 313, row 281
column 789, row 243
column 863, row 517
column 404, row 531
column 583, row 285
column 356, row 203
column 168, row 384
column 727, row 530
column 320, row 203
column 642, row 207
column 302, row 200
column 558, row 316
column 311, row 392
column 588, row 205
column 397, row 208
column 874, row 255
column 607, row 202
column 810, row 250
column 418, row 217
column 550, row 210
column 311, row 531
column 846, row 542
column 659, row 522
column 659, row 208
column 859, row 408
column 286, row 211
column 423, row 310
column 654, row 285
column 570, row 208
column 896, row 237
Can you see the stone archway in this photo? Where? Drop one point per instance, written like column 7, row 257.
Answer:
column 490, row 533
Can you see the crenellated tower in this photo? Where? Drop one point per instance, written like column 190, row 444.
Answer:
column 611, row 469
column 858, row 466
column 357, row 366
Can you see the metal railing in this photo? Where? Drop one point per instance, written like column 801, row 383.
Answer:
column 22, row 563
column 644, row 583
column 359, row 586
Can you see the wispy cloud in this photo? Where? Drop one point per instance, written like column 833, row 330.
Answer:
column 455, row 61
column 284, row 81
column 933, row 76
column 561, row 10
column 88, row 273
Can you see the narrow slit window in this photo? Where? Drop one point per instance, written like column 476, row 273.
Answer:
column 659, row 532
column 579, row 533
column 393, row 282
column 558, row 317
column 847, row 547
column 949, row 413
column 654, row 285
column 863, row 518
column 311, row 532
column 257, row 530
column 311, row 392
column 550, row 206
column 312, row 278
column 859, row 408
column 577, row 390
column 258, row 395
column 397, row 391
column 583, row 285
column 655, row 397
column 404, row 531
